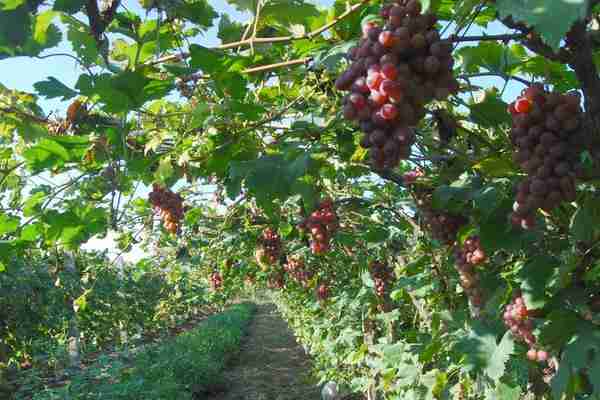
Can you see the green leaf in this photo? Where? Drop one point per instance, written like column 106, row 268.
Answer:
column 490, row 111
column 552, row 20
column 269, row 177
column 81, row 40
column 68, row 6
column 205, row 59
column 491, row 56
column 46, row 154
column 585, row 224
column 32, row 205
column 9, row 5
column 482, row 352
column 535, row 277
column 229, row 31
column 165, row 170
column 505, row 392
column 8, row 224
column 52, row 88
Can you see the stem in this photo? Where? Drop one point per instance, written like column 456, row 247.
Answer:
column 498, row 74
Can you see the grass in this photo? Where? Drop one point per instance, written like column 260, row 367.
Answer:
column 187, row 365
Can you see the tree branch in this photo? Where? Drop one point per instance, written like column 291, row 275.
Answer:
column 503, row 38
column 270, row 40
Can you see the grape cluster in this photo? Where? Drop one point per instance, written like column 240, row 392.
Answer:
column 269, row 247
column 517, row 319
column 169, row 206
column 396, row 69
column 276, row 280
column 471, row 252
column 296, row 268
column 323, row 292
column 469, row 280
column 321, row 225
column 411, row 177
column 382, row 276
column 442, row 225
column 216, row 281
column 547, row 142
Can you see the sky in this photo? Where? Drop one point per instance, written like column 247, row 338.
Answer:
column 21, row 73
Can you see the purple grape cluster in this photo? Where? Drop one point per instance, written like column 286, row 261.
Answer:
column 396, row 70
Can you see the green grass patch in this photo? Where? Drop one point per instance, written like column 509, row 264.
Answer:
column 192, row 362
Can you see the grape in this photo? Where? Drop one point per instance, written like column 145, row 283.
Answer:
column 382, row 276
column 169, row 206
column 516, row 318
column 322, row 224
column 296, row 268
column 269, row 248
column 323, row 292
column 547, row 140
column 216, row 281
column 400, row 67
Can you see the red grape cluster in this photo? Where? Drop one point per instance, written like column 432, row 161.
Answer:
column 296, row 268
column 547, row 142
column 411, row 177
column 471, row 253
column 443, row 226
column 323, row 292
column 276, row 280
column 469, row 280
column 321, row 224
column 169, row 206
column 269, row 247
column 216, row 281
column 517, row 319
column 382, row 276
column 396, row 69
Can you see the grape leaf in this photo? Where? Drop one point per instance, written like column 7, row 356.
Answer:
column 586, row 220
column 52, row 88
column 552, row 20
column 8, row 224
column 535, row 277
column 68, row 6
column 9, row 5
column 483, row 353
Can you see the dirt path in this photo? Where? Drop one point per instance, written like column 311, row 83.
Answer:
column 271, row 366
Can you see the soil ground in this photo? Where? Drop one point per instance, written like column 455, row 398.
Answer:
column 271, row 364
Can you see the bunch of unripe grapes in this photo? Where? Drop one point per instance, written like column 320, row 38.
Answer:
column 443, row 226
column 382, row 276
column 547, row 142
column 471, row 253
column 468, row 257
column 169, row 206
column 321, row 226
column 269, row 247
column 323, row 291
column 216, row 281
column 517, row 318
column 396, row 70
column 298, row 270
